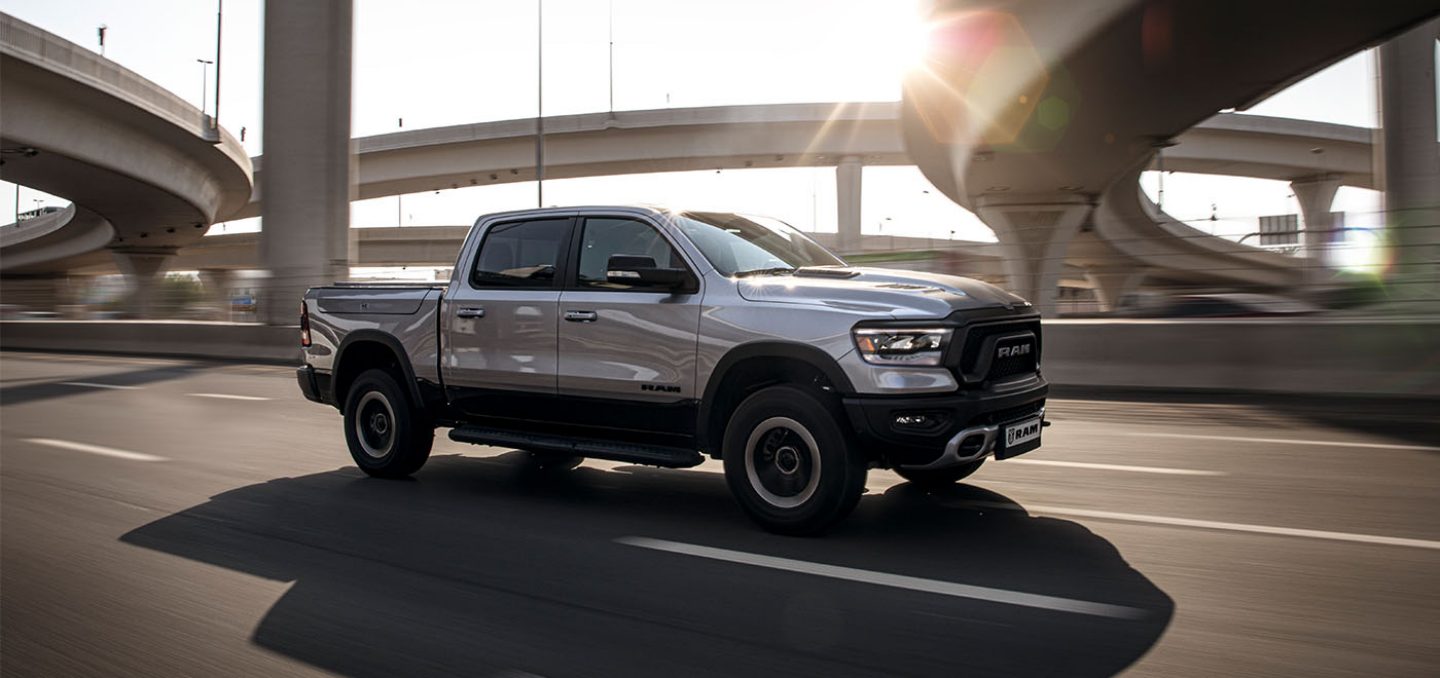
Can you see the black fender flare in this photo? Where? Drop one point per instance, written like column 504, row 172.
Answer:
column 411, row 384
column 805, row 353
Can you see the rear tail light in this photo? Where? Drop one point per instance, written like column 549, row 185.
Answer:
column 304, row 325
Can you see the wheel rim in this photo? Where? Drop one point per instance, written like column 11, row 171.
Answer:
column 375, row 425
column 782, row 462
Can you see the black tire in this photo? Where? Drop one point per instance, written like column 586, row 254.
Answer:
column 388, row 436
column 940, row 477
column 789, row 463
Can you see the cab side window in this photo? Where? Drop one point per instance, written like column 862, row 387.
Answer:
column 604, row 237
column 521, row 254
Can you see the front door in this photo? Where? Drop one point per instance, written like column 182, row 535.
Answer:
column 501, row 318
column 634, row 347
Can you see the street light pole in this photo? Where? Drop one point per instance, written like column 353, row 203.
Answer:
column 204, row 78
column 219, row 21
column 539, row 103
column 612, row 56
column 399, row 198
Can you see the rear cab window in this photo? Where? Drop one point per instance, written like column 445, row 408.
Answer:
column 521, row 254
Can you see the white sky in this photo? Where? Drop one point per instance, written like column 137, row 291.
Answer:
column 444, row 62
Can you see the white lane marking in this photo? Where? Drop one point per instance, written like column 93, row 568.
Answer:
column 1215, row 525
column 91, row 384
column 1114, row 467
column 227, row 396
column 95, row 449
column 936, row 586
column 1279, row 441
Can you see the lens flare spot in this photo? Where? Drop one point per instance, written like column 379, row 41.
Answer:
column 1053, row 114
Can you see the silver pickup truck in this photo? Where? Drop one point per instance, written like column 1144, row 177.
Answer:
column 657, row 337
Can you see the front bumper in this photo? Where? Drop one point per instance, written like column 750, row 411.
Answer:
column 953, row 428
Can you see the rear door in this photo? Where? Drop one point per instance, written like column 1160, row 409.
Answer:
column 633, row 347
column 500, row 317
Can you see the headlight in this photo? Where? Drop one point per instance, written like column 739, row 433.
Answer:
column 921, row 347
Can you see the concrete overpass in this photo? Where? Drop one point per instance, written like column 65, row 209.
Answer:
column 1039, row 117
column 789, row 135
column 1123, row 236
column 750, row 136
column 147, row 172
column 847, row 136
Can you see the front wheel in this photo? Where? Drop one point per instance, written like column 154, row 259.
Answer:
column 940, row 477
column 387, row 435
column 789, row 463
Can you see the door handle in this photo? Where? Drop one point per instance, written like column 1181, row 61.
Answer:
column 470, row 312
column 582, row 316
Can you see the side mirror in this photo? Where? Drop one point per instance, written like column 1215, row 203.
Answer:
column 626, row 269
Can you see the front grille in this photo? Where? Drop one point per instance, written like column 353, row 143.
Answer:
column 1004, row 368
column 977, row 360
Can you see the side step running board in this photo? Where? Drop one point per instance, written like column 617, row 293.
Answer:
column 650, row 455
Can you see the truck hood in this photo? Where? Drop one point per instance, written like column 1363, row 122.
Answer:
column 902, row 294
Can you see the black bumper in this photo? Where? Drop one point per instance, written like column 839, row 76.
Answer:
column 944, row 415
column 314, row 385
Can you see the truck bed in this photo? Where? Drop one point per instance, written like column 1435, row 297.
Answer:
column 375, row 298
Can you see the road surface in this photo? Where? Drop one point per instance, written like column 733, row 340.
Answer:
column 165, row 517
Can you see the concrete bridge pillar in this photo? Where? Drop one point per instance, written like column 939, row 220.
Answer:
column 1411, row 161
column 1034, row 237
column 1315, row 196
column 143, row 268
column 847, row 195
column 307, row 180
column 1114, row 285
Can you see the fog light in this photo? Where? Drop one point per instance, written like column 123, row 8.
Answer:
column 916, row 420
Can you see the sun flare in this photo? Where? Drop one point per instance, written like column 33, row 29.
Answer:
column 879, row 41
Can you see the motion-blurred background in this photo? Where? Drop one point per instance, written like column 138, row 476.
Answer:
column 1227, row 211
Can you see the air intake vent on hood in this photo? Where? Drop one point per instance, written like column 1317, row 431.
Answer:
column 825, row 272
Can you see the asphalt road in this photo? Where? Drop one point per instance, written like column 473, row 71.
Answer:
column 172, row 518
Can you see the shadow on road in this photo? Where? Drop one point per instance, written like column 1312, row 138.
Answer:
column 481, row 566
column 71, row 386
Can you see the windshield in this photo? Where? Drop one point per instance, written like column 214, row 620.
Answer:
column 736, row 245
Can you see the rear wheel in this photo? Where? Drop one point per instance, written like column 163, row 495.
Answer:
column 388, row 436
column 939, row 477
column 789, row 463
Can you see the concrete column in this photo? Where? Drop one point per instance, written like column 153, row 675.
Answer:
column 307, row 179
column 1411, row 161
column 847, row 195
column 217, row 283
column 1315, row 196
column 143, row 267
column 1034, row 237
column 1114, row 285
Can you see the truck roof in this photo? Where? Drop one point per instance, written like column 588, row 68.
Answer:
column 639, row 207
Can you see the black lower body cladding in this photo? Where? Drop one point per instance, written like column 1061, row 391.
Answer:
column 315, row 386
column 913, row 430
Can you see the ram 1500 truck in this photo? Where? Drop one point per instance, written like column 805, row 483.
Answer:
column 659, row 337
